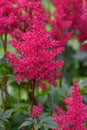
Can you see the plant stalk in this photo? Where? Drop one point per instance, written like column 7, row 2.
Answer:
column 32, row 103
column 63, row 68
column 5, row 78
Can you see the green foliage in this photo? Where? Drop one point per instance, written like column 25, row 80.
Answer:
column 4, row 115
column 52, row 98
column 16, row 120
column 43, row 122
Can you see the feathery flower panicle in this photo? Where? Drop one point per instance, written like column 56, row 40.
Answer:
column 37, row 111
column 38, row 52
column 70, row 17
column 8, row 20
column 76, row 115
column 16, row 16
column 84, row 14
column 25, row 16
column 60, row 24
column 71, row 11
column 83, row 23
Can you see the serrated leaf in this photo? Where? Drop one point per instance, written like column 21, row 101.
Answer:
column 49, row 122
column 30, row 119
column 26, row 123
column 53, row 98
column 83, row 83
column 20, row 105
column 37, row 126
column 45, row 119
column 7, row 113
column 4, row 115
column 4, row 119
column 1, row 124
column 1, row 112
column 52, row 124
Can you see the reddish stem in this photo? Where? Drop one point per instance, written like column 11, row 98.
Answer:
column 32, row 103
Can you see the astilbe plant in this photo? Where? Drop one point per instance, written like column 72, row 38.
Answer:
column 76, row 115
column 37, row 111
column 34, row 118
column 84, row 22
column 60, row 24
column 69, row 21
column 82, row 25
column 16, row 16
column 36, row 60
column 66, row 18
column 7, row 18
column 24, row 16
column 69, row 18
column 38, row 52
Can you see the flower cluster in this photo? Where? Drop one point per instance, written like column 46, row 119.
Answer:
column 66, row 18
column 37, row 111
column 8, row 20
column 76, row 115
column 83, row 23
column 83, row 27
column 70, row 18
column 38, row 52
column 16, row 16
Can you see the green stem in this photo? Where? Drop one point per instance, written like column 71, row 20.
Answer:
column 2, row 95
column 37, row 95
column 19, row 93
column 5, row 78
column 63, row 68
column 28, row 92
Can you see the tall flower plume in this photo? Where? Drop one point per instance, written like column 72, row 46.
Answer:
column 76, row 115
column 69, row 18
column 38, row 52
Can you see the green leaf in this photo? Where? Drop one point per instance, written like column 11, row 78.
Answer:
column 7, row 113
column 53, row 98
column 49, row 122
column 81, row 56
column 26, row 123
column 4, row 115
column 4, row 120
column 1, row 128
column 45, row 119
column 1, row 112
column 1, row 124
column 20, row 105
column 37, row 126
